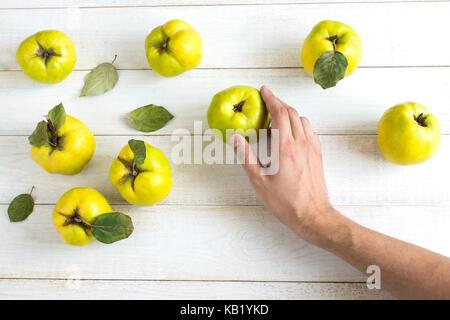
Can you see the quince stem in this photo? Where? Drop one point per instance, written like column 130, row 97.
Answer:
column 333, row 40
column 75, row 218
column 45, row 53
column 421, row 120
column 164, row 45
column 54, row 139
column 238, row 107
column 133, row 172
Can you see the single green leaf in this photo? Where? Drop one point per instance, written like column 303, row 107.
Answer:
column 330, row 68
column 101, row 79
column 40, row 135
column 150, row 118
column 57, row 116
column 139, row 151
column 21, row 207
column 112, row 227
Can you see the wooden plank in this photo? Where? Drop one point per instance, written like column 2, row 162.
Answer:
column 205, row 243
column 355, row 170
column 350, row 108
column 54, row 289
column 239, row 36
column 24, row 4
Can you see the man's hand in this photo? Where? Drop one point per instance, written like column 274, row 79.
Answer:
column 297, row 193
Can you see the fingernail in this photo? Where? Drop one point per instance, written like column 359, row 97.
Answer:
column 235, row 141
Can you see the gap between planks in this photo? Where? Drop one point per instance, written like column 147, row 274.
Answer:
column 183, row 280
column 259, row 68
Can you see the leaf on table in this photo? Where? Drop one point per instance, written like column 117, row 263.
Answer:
column 330, row 68
column 150, row 118
column 21, row 207
column 112, row 227
column 139, row 151
column 101, row 79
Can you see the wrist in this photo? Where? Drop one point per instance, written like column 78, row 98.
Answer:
column 326, row 228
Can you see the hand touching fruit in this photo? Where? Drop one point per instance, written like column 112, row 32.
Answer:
column 141, row 173
column 83, row 213
column 408, row 134
column 61, row 144
column 173, row 48
column 47, row 56
column 239, row 108
column 331, row 52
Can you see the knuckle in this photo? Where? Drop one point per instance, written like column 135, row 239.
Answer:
column 302, row 143
column 289, row 149
column 282, row 112
column 257, row 178
column 304, row 119
column 293, row 111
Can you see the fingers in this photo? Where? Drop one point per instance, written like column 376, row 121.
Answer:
column 278, row 113
column 282, row 114
column 246, row 155
column 296, row 124
column 308, row 130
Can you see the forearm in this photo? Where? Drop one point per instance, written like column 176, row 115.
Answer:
column 407, row 271
column 297, row 195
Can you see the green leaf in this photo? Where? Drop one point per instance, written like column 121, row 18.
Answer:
column 330, row 68
column 150, row 118
column 21, row 207
column 101, row 79
column 40, row 135
column 139, row 150
column 57, row 116
column 112, row 227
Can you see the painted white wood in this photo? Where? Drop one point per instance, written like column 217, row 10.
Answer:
column 205, row 243
column 26, row 4
column 353, row 107
column 120, row 290
column 209, row 230
column 356, row 173
column 393, row 34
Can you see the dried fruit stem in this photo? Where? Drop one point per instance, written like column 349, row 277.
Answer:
column 333, row 40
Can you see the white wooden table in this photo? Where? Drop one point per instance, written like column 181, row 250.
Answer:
column 211, row 238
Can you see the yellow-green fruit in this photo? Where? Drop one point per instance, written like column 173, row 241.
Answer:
column 239, row 108
column 408, row 134
column 73, row 212
column 75, row 148
column 145, row 184
column 173, row 48
column 318, row 42
column 47, row 56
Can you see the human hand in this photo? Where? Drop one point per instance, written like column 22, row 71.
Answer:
column 296, row 194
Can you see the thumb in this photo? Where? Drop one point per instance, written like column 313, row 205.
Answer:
column 246, row 156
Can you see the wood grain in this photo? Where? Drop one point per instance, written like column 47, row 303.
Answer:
column 205, row 243
column 356, row 174
column 353, row 107
column 120, row 290
column 211, row 238
column 239, row 36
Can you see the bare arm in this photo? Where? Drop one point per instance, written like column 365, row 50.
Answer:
column 297, row 195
